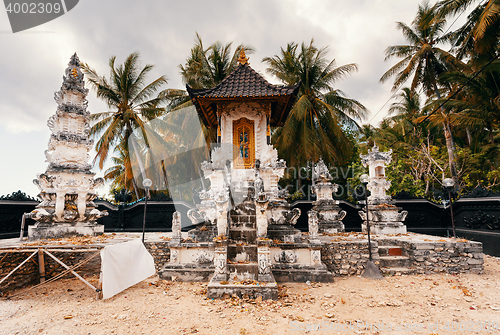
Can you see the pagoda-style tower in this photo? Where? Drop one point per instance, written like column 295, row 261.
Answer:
column 67, row 186
column 245, row 226
column 385, row 218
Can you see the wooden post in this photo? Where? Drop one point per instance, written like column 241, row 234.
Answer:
column 41, row 265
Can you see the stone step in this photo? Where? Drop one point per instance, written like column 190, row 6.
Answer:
column 243, row 221
column 396, row 271
column 248, row 236
column 242, row 271
column 393, row 261
column 237, row 253
column 390, row 250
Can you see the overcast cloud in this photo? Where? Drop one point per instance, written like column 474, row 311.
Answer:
column 32, row 62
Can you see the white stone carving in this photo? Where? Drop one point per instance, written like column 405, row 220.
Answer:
column 313, row 225
column 263, row 260
column 176, row 225
column 286, row 256
column 316, row 257
column 174, row 256
column 221, row 203
column 220, row 260
column 203, row 257
column 261, row 215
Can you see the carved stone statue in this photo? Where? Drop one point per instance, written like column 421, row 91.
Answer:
column 176, row 225
column 313, row 226
column 221, row 203
column 261, row 215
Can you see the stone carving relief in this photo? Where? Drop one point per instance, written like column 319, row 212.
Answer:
column 203, row 257
column 176, row 225
column 286, row 256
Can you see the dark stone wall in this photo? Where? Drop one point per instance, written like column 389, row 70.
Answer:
column 475, row 218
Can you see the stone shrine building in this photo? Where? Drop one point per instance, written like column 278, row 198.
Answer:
column 245, row 240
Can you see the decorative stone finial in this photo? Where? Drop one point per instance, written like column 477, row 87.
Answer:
column 243, row 59
column 321, row 172
column 73, row 79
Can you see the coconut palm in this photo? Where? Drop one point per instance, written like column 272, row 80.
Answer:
column 205, row 68
column 481, row 32
column 132, row 103
column 314, row 127
column 424, row 61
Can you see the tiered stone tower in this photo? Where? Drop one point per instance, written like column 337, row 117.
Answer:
column 245, row 236
column 325, row 207
column 384, row 217
column 67, row 186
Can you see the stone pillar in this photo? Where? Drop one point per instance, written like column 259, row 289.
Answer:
column 176, row 227
column 220, row 263
column 264, row 262
column 313, row 227
column 221, row 204
column 316, row 256
column 261, row 215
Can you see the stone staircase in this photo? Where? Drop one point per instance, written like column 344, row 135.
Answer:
column 243, row 278
column 242, row 244
column 392, row 260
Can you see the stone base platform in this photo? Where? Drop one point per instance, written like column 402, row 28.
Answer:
column 186, row 272
column 302, row 274
column 63, row 231
column 216, row 290
column 332, row 227
column 385, row 228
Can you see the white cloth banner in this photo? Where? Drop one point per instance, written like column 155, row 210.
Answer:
column 124, row 265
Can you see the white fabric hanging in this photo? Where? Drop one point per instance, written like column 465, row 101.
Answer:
column 124, row 265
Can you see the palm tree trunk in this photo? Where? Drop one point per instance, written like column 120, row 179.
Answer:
column 450, row 146
column 469, row 136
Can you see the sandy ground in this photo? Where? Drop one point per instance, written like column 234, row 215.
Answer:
column 424, row 304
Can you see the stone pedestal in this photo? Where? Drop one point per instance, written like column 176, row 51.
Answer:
column 384, row 219
column 329, row 214
column 64, row 230
column 282, row 219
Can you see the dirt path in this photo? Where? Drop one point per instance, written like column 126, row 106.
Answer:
column 349, row 306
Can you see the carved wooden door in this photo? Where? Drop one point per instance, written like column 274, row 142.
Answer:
column 244, row 144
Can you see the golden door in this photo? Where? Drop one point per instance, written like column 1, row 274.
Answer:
column 244, row 144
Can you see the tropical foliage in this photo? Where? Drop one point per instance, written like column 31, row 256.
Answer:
column 132, row 104
column 444, row 122
column 316, row 125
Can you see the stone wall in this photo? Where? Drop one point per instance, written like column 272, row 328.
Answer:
column 461, row 257
column 347, row 258
column 342, row 258
column 160, row 252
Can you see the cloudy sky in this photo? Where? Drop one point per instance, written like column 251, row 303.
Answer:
column 32, row 62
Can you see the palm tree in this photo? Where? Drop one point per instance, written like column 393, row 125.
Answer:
column 481, row 32
column 313, row 129
column 425, row 61
column 205, row 68
column 132, row 103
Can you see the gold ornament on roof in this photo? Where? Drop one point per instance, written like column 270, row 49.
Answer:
column 74, row 73
column 243, row 59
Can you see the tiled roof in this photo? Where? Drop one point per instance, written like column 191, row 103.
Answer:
column 243, row 82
